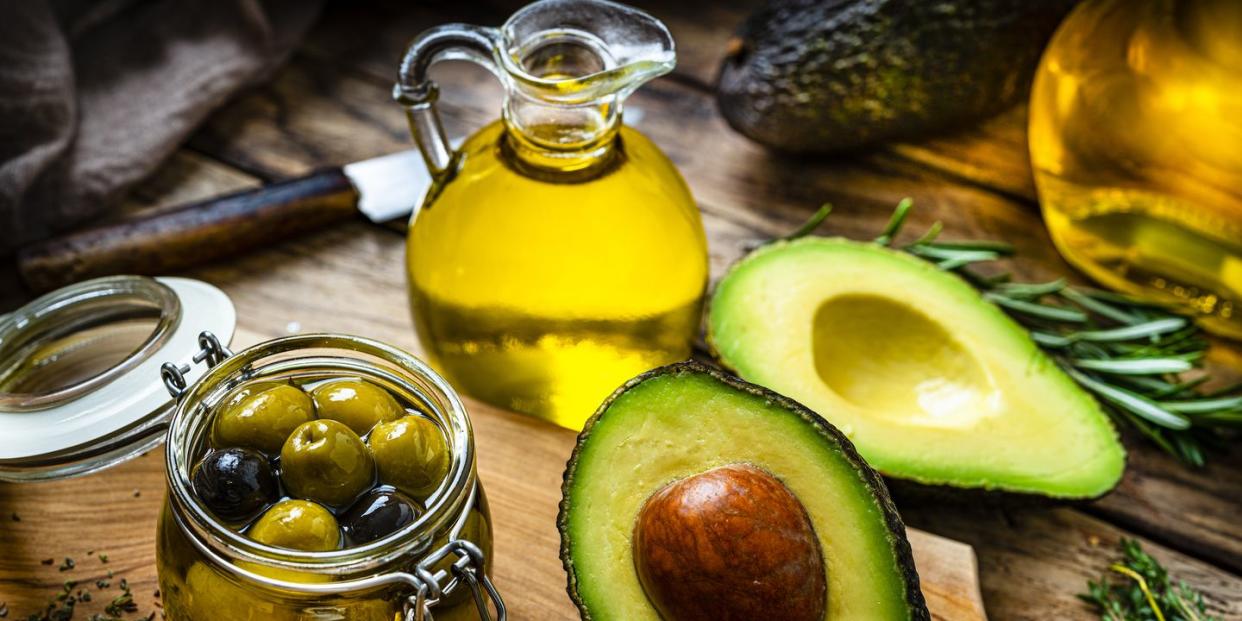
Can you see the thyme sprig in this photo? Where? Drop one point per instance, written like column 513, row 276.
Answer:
column 1139, row 359
column 1145, row 592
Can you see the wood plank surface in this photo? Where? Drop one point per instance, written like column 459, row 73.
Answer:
column 745, row 193
column 521, row 462
column 521, row 459
column 310, row 285
column 992, row 155
column 331, row 105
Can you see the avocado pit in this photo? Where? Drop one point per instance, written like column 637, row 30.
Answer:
column 730, row 543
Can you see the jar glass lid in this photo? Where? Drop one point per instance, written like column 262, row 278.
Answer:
column 80, row 385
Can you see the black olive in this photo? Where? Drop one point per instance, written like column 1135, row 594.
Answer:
column 235, row 483
column 377, row 514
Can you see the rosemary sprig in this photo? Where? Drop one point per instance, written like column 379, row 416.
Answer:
column 1146, row 593
column 1136, row 357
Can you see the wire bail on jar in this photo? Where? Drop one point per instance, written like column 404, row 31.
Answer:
column 467, row 568
column 211, row 351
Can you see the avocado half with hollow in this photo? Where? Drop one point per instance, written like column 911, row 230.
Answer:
column 694, row 495
column 932, row 382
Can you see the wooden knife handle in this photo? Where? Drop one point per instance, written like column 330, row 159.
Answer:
column 192, row 234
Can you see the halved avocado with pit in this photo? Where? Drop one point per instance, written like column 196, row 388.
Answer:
column 683, row 426
column 932, row 382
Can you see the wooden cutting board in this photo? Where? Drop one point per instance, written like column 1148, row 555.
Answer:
column 521, row 460
column 949, row 575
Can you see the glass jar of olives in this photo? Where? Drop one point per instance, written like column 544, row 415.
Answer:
column 321, row 477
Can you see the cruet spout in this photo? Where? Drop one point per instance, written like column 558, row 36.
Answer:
column 566, row 65
column 579, row 51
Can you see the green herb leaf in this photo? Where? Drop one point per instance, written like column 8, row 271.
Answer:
column 1144, row 591
column 1042, row 311
column 895, row 222
column 1132, row 402
column 1139, row 366
column 1202, row 406
column 810, row 225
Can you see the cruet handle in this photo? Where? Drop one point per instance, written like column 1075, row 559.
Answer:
column 417, row 93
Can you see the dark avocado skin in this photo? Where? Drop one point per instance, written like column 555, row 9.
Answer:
column 896, row 528
column 818, row 76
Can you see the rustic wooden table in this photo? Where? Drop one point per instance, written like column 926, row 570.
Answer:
column 331, row 105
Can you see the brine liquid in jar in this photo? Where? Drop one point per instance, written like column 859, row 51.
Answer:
column 1136, row 144
column 559, row 252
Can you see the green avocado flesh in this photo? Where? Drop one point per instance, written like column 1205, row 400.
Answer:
column 931, row 382
column 685, row 419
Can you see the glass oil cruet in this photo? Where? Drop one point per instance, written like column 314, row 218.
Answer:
column 1136, row 143
column 558, row 252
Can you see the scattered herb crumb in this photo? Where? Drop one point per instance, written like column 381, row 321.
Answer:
column 63, row 604
column 137, row 493
column 1145, row 593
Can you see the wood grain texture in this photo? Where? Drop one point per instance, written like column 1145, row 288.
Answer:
column 312, row 284
column 331, row 106
column 746, row 193
column 1029, row 558
column 185, row 177
column 992, row 155
column 960, row 600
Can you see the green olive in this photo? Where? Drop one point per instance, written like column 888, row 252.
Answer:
column 410, row 454
column 297, row 524
column 262, row 418
column 325, row 461
column 245, row 391
column 359, row 404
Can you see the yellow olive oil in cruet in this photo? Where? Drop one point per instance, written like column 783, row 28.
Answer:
column 1136, row 143
column 559, row 252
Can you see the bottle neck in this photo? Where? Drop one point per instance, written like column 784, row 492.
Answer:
column 555, row 139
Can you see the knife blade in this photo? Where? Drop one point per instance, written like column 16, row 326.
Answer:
column 382, row 189
column 389, row 186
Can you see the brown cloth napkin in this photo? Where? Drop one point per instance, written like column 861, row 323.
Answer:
column 94, row 94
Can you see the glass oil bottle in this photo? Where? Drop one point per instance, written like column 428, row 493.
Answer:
column 559, row 253
column 1136, row 143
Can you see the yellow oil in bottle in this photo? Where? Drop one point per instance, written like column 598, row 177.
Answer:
column 544, row 288
column 1136, row 143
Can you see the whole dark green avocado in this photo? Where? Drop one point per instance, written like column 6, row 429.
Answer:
column 817, row 76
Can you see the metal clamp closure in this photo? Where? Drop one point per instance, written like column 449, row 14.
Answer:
column 468, row 569
column 210, row 350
